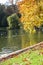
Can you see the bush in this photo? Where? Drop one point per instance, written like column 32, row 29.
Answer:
column 13, row 21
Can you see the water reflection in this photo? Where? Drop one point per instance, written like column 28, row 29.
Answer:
column 3, row 33
column 12, row 40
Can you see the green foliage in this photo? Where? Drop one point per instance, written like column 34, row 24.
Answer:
column 5, row 12
column 13, row 21
column 3, row 16
column 4, row 22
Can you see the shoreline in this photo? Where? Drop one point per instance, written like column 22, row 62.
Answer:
column 11, row 55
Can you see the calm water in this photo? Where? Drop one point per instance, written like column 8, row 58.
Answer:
column 12, row 40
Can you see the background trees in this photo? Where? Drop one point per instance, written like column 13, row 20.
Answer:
column 11, row 9
column 7, row 11
column 30, row 13
column 3, row 16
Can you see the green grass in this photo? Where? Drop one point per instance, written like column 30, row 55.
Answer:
column 30, row 57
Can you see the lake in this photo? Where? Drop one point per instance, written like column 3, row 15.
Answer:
column 13, row 40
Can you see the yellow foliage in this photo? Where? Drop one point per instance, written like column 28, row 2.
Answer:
column 32, row 13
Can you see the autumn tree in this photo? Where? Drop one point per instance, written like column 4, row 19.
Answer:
column 32, row 13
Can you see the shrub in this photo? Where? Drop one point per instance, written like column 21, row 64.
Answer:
column 13, row 21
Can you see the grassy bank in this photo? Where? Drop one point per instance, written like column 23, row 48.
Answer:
column 31, row 57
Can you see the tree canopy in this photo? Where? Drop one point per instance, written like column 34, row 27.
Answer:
column 32, row 13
